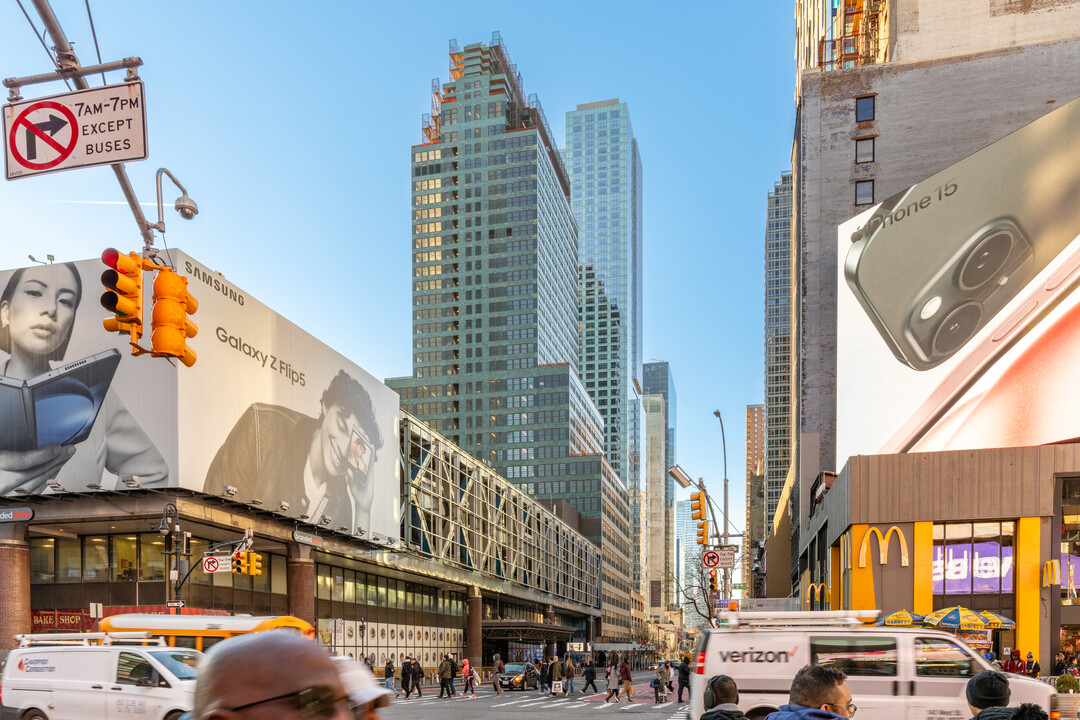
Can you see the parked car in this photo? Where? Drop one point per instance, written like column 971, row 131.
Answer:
column 520, row 676
column 905, row 673
column 111, row 682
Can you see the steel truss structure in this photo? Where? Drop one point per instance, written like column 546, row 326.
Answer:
column 460, row 511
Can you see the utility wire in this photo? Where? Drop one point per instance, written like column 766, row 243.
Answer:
column 39, row 37
column 94, row 33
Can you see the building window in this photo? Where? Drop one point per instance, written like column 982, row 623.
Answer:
column 864, row 192
column 864, row 150
column 864, row 108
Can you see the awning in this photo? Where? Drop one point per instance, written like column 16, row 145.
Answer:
column 524, row 630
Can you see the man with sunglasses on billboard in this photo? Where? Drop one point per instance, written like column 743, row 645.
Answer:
column 319, row 468
column 283, row 676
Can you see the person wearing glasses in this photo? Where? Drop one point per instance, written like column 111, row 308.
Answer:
column 818, row 692
column 318, row 466
column 244, row 678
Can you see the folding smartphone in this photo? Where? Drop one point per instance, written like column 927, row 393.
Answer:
column 58, row 407
column 937, row 262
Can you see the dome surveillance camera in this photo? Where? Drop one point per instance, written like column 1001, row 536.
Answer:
column 186, row 207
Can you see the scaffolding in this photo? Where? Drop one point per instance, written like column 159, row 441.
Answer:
column 862, row 34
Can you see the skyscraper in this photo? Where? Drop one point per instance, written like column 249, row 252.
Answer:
column 657, row 380
column 605, row 178
column 495, row 288
column 659, row 517
column 755, row 486
column 778, row 377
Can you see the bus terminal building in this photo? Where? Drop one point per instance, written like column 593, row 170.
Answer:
column 370, row 525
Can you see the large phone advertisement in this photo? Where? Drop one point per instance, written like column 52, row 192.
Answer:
column 268, row 416
column 957, row 320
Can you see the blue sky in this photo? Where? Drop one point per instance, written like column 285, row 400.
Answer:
column 290, row 124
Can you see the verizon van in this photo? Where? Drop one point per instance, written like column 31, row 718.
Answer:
column 77, row 679
column 893, row 672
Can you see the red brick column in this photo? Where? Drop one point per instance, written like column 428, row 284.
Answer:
column 15, row 569
column 302, row 588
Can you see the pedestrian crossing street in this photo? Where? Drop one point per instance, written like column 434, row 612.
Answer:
column 529, row 701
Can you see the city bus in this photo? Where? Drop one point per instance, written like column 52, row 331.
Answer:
column 200, row 632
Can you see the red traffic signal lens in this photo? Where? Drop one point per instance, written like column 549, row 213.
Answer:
column 712, row 573
column 110, row 256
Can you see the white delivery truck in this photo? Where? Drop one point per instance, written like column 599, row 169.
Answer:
column 893, row 672
column 80, row 676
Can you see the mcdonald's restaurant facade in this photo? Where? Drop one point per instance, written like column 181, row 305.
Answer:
column 995, row 529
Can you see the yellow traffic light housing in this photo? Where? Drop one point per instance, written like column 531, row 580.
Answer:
column 172, row 328
column 712, row 580
column 254, row 565
column 697, row 505
column 240, row 563
column 703, row 532
column 123, row 293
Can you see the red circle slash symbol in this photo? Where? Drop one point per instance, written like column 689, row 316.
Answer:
column 210, row 564
column 710, row 559
column 44, row 130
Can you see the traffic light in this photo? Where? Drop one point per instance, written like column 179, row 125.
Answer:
column 697, row 505
column 254, row 565
column 712, row 580
column 240, row 563
column 123, row 295
column 172, row 328
column 703, row 532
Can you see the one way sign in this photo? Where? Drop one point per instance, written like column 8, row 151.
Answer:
column 99, row 126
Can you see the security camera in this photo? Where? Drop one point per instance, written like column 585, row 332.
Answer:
column 186, row 207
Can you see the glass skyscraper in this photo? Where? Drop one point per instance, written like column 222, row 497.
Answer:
column 494, row 306
column 778, row 377
column 605, row 178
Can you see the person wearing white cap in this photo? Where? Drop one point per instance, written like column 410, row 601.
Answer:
column 363, row 689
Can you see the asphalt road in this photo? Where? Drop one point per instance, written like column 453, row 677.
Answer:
column 530, row 702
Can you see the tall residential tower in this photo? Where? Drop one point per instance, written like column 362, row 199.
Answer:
column 495, row 289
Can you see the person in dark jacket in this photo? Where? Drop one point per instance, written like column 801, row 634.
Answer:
column 406, row 676
column 545, row 675
column 1031, row 667
column 720, row 699
column 1059, row 664
column 446, row 674
column 589, row 673
column 988, row 695
column 817, row 692
column 388, row 677
column 417, row 677
column 684, row 678
column 498, row 667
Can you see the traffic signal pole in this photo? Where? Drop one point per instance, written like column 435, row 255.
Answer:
column 68, row 66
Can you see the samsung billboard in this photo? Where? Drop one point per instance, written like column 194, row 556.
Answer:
column 958, row 323
column 268, row 416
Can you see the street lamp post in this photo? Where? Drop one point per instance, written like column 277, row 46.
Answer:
column 723, row 441
column 170, row 524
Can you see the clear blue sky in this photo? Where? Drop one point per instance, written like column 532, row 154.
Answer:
column 290, row 124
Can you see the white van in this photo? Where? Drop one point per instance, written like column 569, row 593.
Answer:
column 82, row 681
column 893, row 672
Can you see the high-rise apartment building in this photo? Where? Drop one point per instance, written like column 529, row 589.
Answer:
column 604, row 168
column 756, row 443
column 918, row 70
column 495, row 290
column 659, row 518
column 778, row 369
column 657, row 380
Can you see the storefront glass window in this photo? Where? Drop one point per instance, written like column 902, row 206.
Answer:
column 96, row 559
column 42, row 560
column 261, row 582
column 197, row 548
column 151, row 561
column 279, row 575
column 381, row 584
column 350, row 586
column 69, row 560
column 323, row 582
column 391, row 594
column 1070, row 540
column 124, row 557
column 337, row 589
